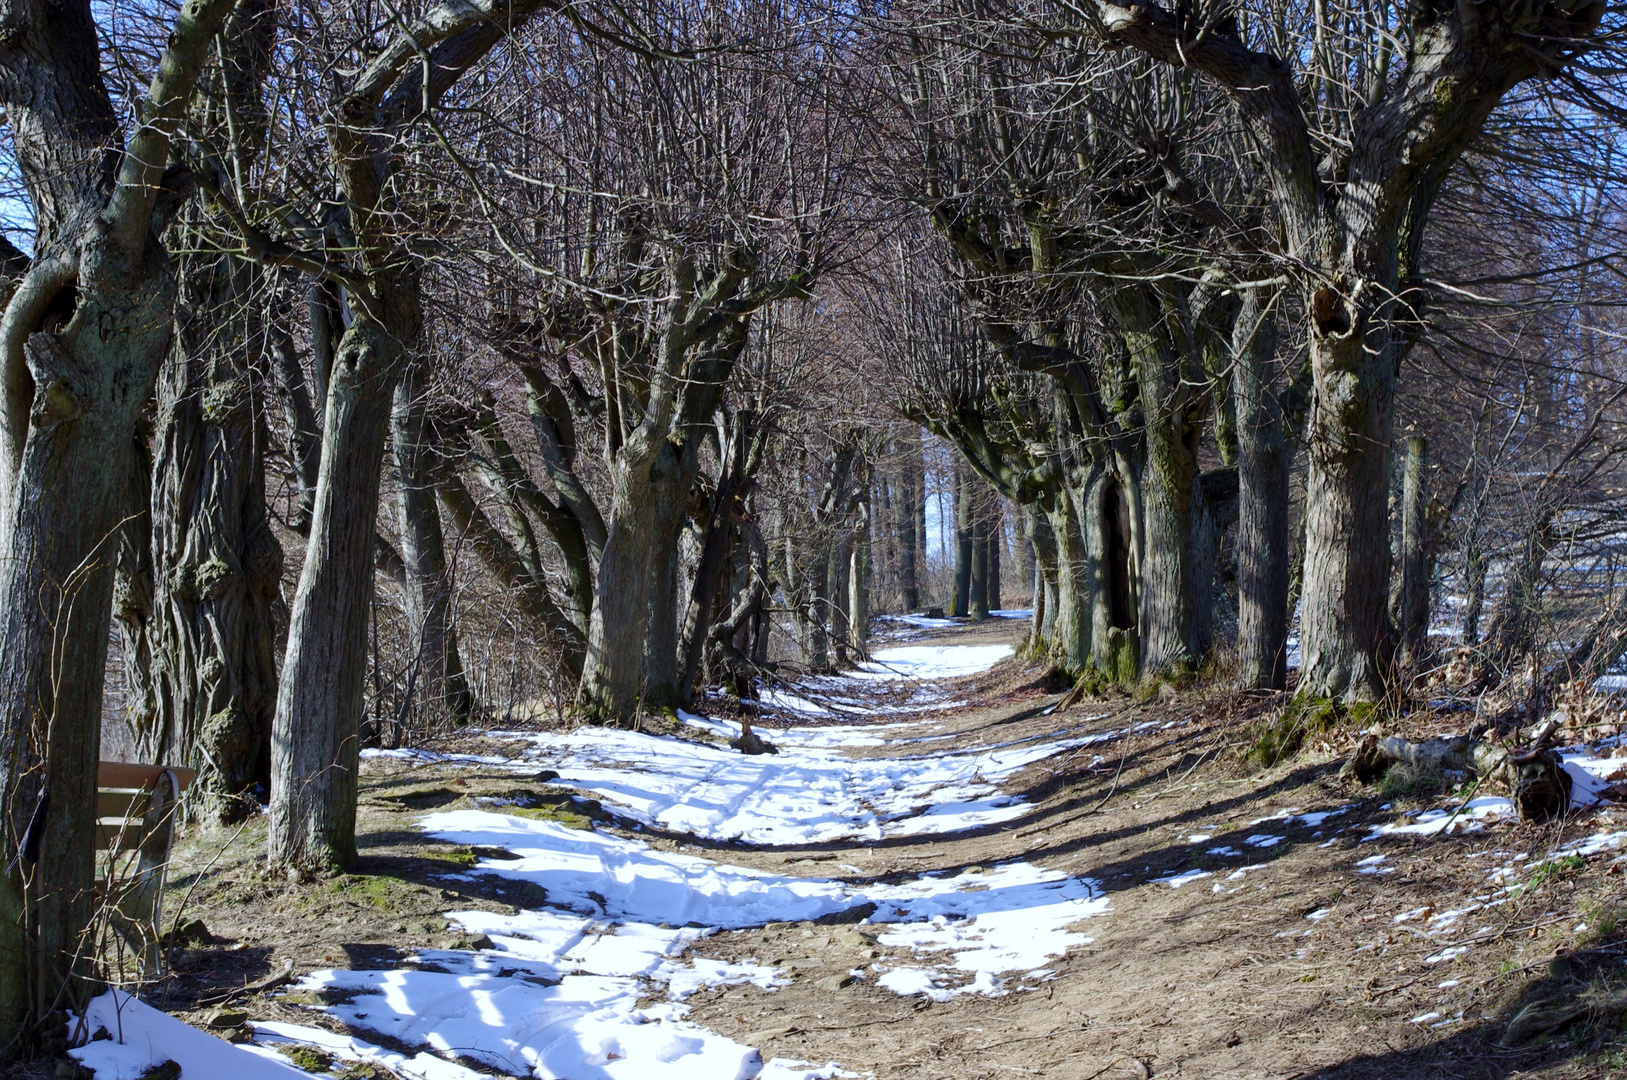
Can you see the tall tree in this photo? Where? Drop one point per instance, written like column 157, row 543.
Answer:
column 81, row 343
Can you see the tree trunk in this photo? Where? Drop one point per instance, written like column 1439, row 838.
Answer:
column 1344, row 628
column 670, row 484
column 711, row 572
column 1043, row 541
column 316, row 737
column 1262, row 512
column 858, row 587
column 1475, row 565
column 217, row 567
column 1071, row 629
column 1110, row 543
column 961, row 599
column 996, row 535
column 841, row 559
column 977, row 593
column 816, row 649
column 1175, row 620
column 911, row 538
column 612, row 674
column 56, row 573
column 1027, row 566
column 436, row 677
column 1412, row 605
column 1518, row 615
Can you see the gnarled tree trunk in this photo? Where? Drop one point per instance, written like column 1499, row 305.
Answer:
column 80, row 347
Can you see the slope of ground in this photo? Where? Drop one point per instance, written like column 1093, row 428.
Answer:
column 940, row 875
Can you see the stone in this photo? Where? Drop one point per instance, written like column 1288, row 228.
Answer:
column 223, row 1018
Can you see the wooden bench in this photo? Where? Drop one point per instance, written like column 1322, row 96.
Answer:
column 135, row 813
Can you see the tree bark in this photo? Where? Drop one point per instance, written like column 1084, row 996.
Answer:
column 858, row 584
column 1071, row 628
column 816, row 647
column 612, row 674
column 670, row 484
column 996, row 529
column 210, row 636
column 1043, row 538
column 1345, row 628
column 977, row 593
column 1175, row 619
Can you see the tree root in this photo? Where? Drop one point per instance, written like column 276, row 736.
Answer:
column 1541, row 1017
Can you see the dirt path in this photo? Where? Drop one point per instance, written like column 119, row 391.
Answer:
column 1240, row 923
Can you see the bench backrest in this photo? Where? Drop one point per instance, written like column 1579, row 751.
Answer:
column 133, row 802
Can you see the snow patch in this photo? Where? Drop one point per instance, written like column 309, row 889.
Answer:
column 142, row 1037
column 1471, row 817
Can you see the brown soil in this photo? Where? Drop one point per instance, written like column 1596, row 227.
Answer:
column 1178, row 981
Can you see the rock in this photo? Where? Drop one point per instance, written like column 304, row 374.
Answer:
column 223, row 1018
column 190, row 933
column 934, row 612
column 466, row 943
column 167, row 1070
column 856, row 914
column 835, row 982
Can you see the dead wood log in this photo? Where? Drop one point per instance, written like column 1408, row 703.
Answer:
column 1536, row 779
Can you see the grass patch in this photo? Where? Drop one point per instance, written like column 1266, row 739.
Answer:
column 1402, row 783
column 568, row 810
column 1547, row 872
column 383, row 893
column 1604, row 923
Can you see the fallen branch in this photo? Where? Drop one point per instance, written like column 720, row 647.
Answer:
column 270, row 982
